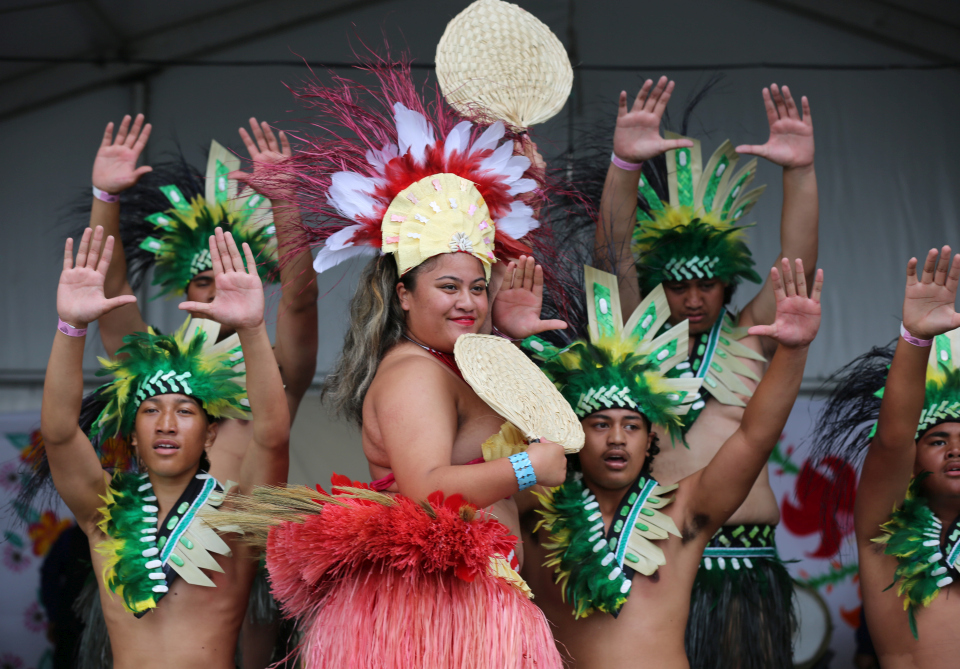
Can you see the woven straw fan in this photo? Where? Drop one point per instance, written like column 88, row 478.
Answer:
column 516, row 389
column 497, row 61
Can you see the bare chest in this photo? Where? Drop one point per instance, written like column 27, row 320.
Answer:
column 938, row 645
column 192, row 626
column 650, row 624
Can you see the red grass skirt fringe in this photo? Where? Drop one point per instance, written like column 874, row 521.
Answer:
column 402, row 585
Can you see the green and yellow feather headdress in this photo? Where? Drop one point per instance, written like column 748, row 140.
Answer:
column 189, row 362
column 694, row 235
column 182, row 232
column 622, row 365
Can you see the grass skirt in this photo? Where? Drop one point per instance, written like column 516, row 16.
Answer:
column 384, row 582
column 741, row 618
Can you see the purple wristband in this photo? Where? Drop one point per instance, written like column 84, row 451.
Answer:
column 498, row 333
column 624, row 165
column 916, row 341
column 69, row 330
column 104, row 196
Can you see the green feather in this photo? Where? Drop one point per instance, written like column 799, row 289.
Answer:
column 677, row 235
column 903, row 537
column 577, row 567
column 184, row 246
column 584, row 367
column 210, row 378
column 125, row 572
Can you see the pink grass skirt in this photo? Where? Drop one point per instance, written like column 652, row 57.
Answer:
column 404, row 586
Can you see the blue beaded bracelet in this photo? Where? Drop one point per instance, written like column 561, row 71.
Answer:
column 523, row 470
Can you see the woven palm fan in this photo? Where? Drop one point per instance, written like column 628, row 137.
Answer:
column 516, row 389
column 497, row 61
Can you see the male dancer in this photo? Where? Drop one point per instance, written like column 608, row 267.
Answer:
column 686, row 238
column 154, row 549
column 912, row 465
column 115, row 171
column 612, row 561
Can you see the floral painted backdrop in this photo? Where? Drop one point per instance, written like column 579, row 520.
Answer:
column 27, row 535
column 821, row 543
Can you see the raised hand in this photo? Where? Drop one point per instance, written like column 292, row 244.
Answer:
column 516, row 309
column 791, row 136
column 637, row 135
column 115, row 167
column 239, row 298
column 265, row 150
column 929, row 302
column 80, row 299
column 798, row 316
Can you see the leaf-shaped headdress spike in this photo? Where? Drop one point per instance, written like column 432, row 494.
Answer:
column 181, row 233
column 694, row 234
column 189, row 362
column 622, row 365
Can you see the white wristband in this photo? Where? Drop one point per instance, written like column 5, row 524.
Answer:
column 916, row 341
column 104, row 196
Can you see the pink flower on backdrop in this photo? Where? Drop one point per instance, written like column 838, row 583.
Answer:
column 34, row 618
column 9, row 478
column 15, row 558
column 10, row 661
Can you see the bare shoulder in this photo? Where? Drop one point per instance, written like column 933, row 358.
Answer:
column 762, row 345
column 411, row 376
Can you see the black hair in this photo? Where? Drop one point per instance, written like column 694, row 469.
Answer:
column 573, row 459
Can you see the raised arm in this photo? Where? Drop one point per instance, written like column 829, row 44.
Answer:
column 114, row 171
column 790, row 146
column 636, row 139
column 296, row 344
column 239, row 305
column 80, row 301
column 928, row 310
column 416, row 405
column 725, row 483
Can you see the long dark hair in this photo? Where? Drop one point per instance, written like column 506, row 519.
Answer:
column 377, row 324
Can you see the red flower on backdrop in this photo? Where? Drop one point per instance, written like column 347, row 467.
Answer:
column 33, row 451
column 824, row 494
column 45, row 531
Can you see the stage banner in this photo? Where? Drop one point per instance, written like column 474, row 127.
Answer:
column 821, row 545
column 28, row 534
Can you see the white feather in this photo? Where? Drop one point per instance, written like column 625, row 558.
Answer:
column 515, row 168
column 328, row 258
column 496, row 162
column 519, row 221
column 489, row 138
column 378, row 158
column 414, row 133
column 341, row 238
column 458, row 139
column 350, row 194
column 522, row 186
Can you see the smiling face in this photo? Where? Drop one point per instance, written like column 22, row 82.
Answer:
column 697, row 300
column 938, row 452
column 171, row 434
column 617, row 441
column 447, row 299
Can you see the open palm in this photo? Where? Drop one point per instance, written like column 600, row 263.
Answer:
column 80, row 298
column 516, row 309
column 798, row 316
column 637, row 135
column 265, row 151
column 791, row 136
column 929, row 301
column 239, row 302
column 115, row 167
